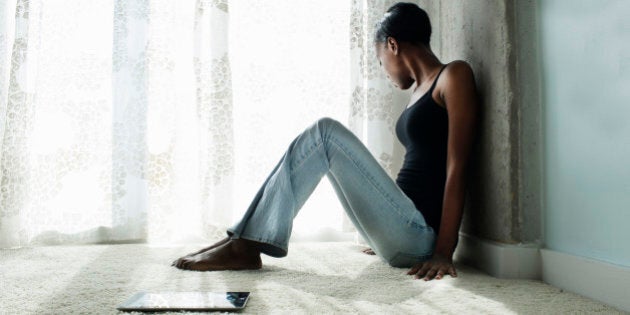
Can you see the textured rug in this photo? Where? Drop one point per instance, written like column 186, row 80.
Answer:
column 313, row 278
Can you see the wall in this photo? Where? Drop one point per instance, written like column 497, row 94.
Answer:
column 496, row 38
column 586, row 56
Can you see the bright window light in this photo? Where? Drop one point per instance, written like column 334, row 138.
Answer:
column 290, row 66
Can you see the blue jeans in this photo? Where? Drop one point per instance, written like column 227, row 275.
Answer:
column 385, row 217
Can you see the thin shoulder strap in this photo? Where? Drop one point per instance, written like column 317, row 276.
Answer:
column 437, row 77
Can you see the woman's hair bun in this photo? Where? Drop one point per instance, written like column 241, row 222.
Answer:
column 406, row 22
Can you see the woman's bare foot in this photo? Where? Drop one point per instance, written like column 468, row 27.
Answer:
column 219, row 243
column 236, row 254
column 368, row 251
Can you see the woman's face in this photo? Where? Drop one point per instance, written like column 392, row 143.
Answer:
column 389, row 58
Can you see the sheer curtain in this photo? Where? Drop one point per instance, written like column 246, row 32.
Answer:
column 375, row 103
column 157, row 121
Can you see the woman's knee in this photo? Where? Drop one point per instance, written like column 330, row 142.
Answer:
column 328, row 123
column 329, row 127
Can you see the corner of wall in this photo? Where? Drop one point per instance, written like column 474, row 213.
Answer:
column 527, row 103
column 503, row 236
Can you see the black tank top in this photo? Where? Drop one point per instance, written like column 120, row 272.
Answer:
column 423, row 130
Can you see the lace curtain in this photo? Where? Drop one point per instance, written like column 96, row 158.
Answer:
column 157, row 120
column 375, row 102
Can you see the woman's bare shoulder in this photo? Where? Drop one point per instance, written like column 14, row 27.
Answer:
column 457, row 75
column 459, row 83
column 459, row 69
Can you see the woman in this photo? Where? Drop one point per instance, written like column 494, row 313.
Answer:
column 411, row 222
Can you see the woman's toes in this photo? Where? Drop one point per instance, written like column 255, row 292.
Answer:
column 186, row 263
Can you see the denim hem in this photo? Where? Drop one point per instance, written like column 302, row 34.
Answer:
column 268, row 247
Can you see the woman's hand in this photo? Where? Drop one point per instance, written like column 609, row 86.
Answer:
column 436, row 267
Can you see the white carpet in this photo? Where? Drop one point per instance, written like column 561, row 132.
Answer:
column 314, row 278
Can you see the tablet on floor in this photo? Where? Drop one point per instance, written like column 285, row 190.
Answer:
column 185, row 301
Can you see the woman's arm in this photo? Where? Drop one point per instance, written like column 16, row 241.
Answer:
column 459, row 95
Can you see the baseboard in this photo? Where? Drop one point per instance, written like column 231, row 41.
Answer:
column 512, row 261
column 595, row 279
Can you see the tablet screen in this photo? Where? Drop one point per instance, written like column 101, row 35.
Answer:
column 145, row 301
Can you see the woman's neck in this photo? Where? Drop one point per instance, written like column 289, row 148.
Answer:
column 422, row 63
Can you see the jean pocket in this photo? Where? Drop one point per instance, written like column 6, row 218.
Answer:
column 405, row 260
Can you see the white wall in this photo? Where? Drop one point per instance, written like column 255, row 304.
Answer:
column 585, row 51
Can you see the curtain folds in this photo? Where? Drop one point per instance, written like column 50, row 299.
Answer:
column 157, row 120
column 116, row 122
column 375, row 102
